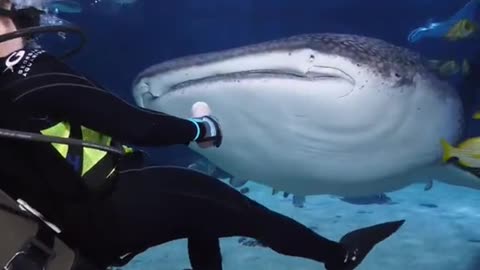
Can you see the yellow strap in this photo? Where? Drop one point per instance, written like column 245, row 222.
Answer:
column 90, row 156
column 127, row 149
column 62, row 130
column 93, row 156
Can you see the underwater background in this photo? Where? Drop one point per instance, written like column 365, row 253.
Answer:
column 443, row 223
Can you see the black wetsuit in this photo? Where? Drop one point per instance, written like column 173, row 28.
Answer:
column 148, row 206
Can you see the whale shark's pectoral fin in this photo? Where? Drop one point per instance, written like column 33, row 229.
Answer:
column 455, row 175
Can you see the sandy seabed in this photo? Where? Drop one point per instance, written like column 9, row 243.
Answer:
column 442, row 232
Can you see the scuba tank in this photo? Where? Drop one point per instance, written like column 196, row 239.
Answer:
column 28, row 242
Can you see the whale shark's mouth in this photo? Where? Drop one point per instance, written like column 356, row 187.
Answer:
column 264, row 74
column 316, row 73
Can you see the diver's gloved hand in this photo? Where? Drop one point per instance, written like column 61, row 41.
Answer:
column 212, row 135
column 360, row 242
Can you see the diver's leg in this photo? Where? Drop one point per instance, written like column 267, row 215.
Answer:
column 204, row 253
column 161, row 204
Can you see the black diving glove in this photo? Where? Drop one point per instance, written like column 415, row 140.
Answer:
column 360, row 242
column 212, row 132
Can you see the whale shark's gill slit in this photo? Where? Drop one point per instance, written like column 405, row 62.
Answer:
column 347, row 94
column 252, row 74
column 333, row 72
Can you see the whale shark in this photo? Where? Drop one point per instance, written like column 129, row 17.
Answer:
column 321, row 113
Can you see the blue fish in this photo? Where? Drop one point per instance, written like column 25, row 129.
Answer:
column 64, row 6
column 440, row 29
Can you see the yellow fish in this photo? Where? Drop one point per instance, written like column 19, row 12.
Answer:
column 467, row 152
column 450, row 68
column 461, row 30
column 476, row 116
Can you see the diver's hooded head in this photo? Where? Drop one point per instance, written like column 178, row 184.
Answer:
column 7, row 26
column 19, row 14
column 20, row 20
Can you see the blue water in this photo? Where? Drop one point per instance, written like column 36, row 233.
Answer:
column 443, row 229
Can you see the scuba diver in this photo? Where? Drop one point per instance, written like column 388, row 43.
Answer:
column 66, row 163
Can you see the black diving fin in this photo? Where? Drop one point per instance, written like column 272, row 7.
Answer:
column 360, row 242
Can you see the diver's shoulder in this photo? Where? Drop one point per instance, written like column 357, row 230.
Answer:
column 31, row 61
column 21, row 62
column 25, row 54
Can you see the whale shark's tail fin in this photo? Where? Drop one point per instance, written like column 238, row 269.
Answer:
column 360, row 242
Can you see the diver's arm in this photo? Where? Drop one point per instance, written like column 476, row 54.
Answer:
column 106, row 113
